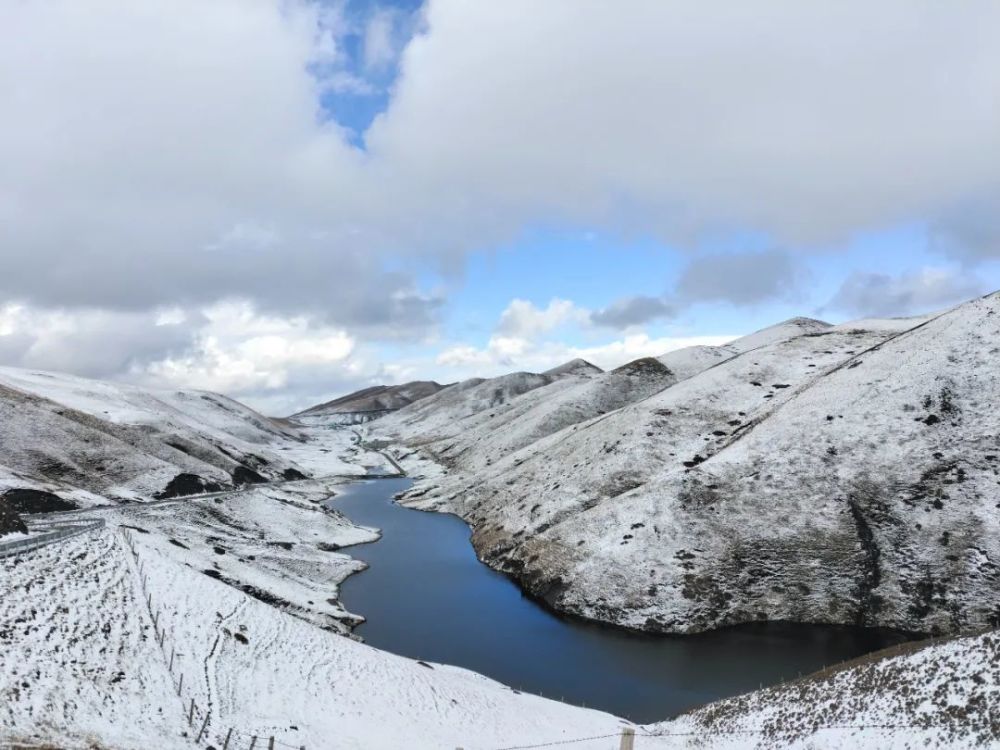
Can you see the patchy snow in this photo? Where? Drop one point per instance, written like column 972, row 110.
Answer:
column 720, row 488
column 94, row 442
column 374, row 398
column 728, row 496
column 920, row 695
column 120, row 442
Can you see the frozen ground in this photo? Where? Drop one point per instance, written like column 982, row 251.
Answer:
column 243, row 595
column 943, row 695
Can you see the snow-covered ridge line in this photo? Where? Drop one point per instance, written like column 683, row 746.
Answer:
column 92, row 442
column 932, row 694
column 731, row 494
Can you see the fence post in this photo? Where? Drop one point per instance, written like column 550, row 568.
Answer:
column 253, row 741
column 628, row 739
column 180, row 684
column 191, row 712
column 225, row 744
column 202, row 732
column 171, row 667
column 270, row 744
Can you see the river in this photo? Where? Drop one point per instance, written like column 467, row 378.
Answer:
column 427, row 596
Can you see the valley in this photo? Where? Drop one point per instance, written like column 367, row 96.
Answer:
column 663, row 538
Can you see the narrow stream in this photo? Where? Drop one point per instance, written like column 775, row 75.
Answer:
column 427, row 596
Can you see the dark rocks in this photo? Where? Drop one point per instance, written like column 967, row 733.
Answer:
column 243, row 476
column 10, row 521
column 292, row 475
column 35, row 501
column 188, row 484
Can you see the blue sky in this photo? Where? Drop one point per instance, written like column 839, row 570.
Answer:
column 594, row 267
column 287, row 199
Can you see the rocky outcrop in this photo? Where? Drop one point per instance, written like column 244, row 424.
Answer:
column 10, row 521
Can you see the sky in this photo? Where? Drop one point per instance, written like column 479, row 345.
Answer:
column 286, row 200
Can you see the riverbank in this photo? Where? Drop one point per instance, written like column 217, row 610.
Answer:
column 422, row 572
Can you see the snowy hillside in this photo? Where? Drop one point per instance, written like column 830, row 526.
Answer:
column 375, row 398
column 220, row 616
column 487, row 436
column 922, row 695
column 95, row 441
column 230, row 605
column 869, row 449
column 438, row 414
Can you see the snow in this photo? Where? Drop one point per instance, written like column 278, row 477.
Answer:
column 96, row 442
column 728, row 496
column 373, row 398
column 930, row 695
column 723, row 487
column 80, row 663
column 244, row 587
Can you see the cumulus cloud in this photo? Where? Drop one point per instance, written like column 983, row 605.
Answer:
column 804, row 120
column 927, row 290
column 632, row 311
column 237, row 350
column 124, row 161
column 91, row 342
column 523, row 319
column 135, row 178
column 500, row 355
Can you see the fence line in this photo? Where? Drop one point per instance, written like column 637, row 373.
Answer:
column 628, row 734
column 59, row 532
column 198, row 719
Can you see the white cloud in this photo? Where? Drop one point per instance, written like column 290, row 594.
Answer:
column 92, row 342
column 169, row 154
column 808, row 120
column 500, row 355
column 238, row 351
column 381, row 43
column 522, row 319
column 523, row 341
column 123, row 158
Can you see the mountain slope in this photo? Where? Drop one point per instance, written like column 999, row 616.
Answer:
column 94, row 441
column 734, row 495
column 440, row 415
column 486, row 437
column 375, row 398
column 932, row 694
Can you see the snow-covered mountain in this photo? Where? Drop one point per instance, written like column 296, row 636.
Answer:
column 439, row 414
column 95, row 442
column 230, row 603
column 817, row 473
column 374, row 398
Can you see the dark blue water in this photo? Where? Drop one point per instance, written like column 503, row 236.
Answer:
column 425, row 595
